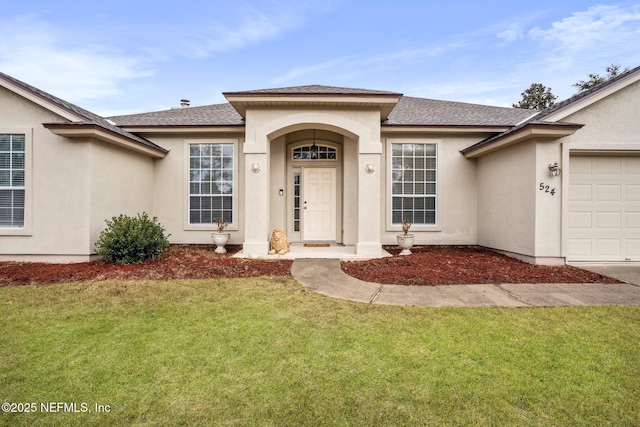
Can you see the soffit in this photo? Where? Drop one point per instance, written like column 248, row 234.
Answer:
column 314, row 96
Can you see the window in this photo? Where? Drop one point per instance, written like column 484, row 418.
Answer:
column 413, row 183
column 12, row 180
column 306, row 153
column 211, row 185
column 296, row 201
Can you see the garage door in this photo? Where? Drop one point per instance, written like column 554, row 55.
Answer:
column 604, row 209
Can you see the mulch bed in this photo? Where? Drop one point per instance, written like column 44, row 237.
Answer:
column 429, row 265
column 178, row 262
column 448, row 265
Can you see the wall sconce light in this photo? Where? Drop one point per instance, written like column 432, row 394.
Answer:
column 555, row 169
column 255, row 167
column 370, row 168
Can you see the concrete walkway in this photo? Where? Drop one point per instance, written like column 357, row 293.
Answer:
column 325, row 277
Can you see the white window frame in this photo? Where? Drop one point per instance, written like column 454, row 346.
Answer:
column 390, row 226
column 187, row 225
column 26, row 229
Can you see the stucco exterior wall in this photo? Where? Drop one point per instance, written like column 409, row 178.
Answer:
column 57, row 220
column 608, row 122
column 265, row 126
column 456, row 193
column 121, row 182
column 506, row 183
column 548, row 204
column 170, row 191
column 278, row 180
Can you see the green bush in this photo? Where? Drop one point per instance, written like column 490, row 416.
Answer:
column 132, row 240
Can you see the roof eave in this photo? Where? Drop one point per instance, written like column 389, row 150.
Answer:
column 184, row 129
column 384, row 102
column 527, row 132
column 40, row 100
column 458, row 129
column 90, row 130
column 598, row 93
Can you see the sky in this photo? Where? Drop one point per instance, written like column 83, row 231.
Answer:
column 122, row 57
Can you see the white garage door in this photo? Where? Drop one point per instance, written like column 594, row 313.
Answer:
column 604, row 209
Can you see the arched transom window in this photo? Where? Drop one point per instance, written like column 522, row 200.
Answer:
column 314, row 152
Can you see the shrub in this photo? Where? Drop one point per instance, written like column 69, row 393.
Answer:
column 132, row 240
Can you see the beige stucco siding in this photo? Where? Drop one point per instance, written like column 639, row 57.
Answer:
column 115, row 168
column 456, row 203
column 612, row 120
column 506, row 181
column 57, row 221
column 170, row 191
column 72, row 187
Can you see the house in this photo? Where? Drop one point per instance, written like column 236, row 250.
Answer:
column 328, row 164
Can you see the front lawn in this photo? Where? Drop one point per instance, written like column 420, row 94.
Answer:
column 265, row 351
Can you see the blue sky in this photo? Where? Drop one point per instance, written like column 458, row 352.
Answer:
column 120, row 57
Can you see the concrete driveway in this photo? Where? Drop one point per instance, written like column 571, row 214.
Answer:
column 624, row 273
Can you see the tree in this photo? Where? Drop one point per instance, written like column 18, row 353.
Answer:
column 537, row 97
column 594, row 80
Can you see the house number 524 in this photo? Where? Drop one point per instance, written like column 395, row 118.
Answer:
column 544, row 187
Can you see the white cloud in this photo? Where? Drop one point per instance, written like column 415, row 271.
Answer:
column 596, row 28
column 353, row 67
column 514, row 33
column 309, row 70
column 34, row 52
column 254, row 27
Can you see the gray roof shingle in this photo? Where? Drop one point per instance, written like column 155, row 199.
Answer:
column 409, row 111
column 313, row 90
column 540, row 116
column 208, row 115
column 430, row 112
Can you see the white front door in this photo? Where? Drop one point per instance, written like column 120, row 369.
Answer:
column 319, row 204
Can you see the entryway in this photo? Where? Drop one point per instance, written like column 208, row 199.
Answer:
column 319, row 204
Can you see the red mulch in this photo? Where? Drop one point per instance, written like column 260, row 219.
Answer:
column 447, row 265
column 429, row 265
column 178, row 262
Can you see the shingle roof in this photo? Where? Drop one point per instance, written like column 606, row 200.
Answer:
column 431, row 112
column 584, row 94
column 409, row 111
column 208, row 115
column 87, row 116
column 540, row 116
column 313, row 90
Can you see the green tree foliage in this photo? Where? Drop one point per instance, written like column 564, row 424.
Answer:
column 595, row 79
column 536, row 97
column 132, row 240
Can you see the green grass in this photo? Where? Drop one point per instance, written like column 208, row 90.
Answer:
column 267, row 352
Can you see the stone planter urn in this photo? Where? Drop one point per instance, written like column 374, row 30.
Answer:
column 405, row 240
column 220, row 240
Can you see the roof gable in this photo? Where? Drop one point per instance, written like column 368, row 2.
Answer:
column 582, row 100
column 551, row 117
column 75, row 115
column 314, row 96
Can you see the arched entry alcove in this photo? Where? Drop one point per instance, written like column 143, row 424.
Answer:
column 313, row 176
column 281, row 143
